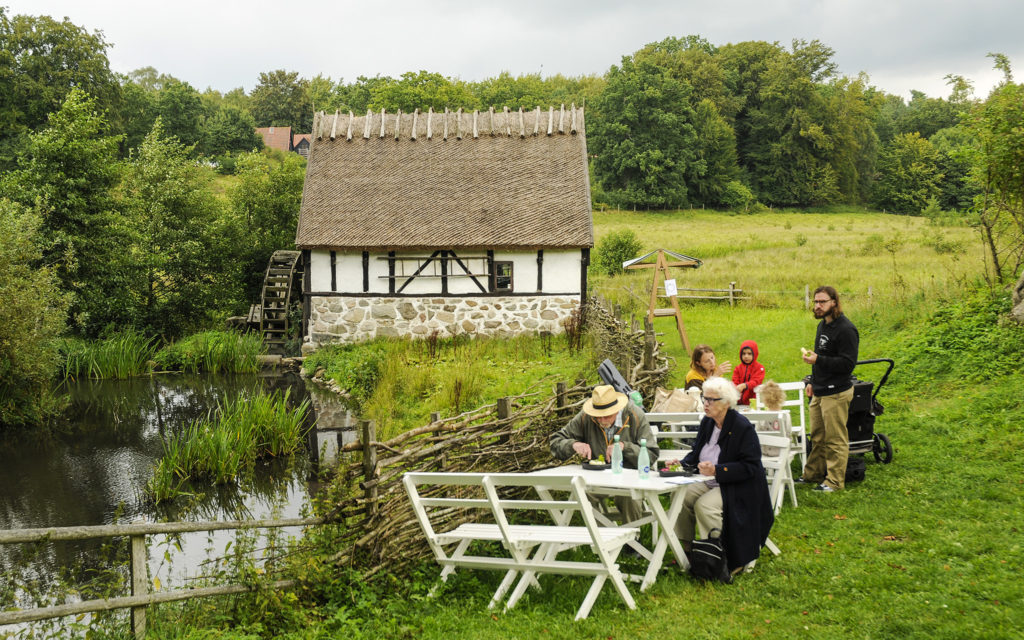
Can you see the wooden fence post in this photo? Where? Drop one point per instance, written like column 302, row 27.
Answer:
column 807, row 296
column 435, row 416
column 504, row 411
column 140, row 582
column 369, row 428
column 560, row 396
column 650, row 343
column 732, row 294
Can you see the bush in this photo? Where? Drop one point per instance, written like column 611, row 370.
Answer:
column 737, row 196
column 33, row 311
column 614, row 249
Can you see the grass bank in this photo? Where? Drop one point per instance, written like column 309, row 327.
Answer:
column 399, row 383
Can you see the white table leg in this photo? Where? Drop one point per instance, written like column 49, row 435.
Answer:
column 668, row 534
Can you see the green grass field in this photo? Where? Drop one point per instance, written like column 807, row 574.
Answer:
column 929, row 546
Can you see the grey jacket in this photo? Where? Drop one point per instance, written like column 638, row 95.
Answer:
column 584, row 428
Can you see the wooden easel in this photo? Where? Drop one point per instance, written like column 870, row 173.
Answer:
column 661, row 267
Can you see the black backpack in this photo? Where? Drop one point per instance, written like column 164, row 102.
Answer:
column 707, row 559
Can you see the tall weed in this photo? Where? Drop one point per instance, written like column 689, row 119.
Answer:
column 122, row 356
column 213, row 352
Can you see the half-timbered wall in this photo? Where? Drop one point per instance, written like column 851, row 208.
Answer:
column 355, row 296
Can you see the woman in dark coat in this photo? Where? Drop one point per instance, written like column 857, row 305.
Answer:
column 735, row 497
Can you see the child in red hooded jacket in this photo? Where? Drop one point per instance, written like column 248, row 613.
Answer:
column 749, row 373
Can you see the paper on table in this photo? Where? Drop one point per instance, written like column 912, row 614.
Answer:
column 689, row 480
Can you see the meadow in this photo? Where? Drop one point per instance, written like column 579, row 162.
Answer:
column 929, row 546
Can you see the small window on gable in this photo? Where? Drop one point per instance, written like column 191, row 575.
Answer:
column 503, row 276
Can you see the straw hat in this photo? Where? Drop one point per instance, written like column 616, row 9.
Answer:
column 606, row 401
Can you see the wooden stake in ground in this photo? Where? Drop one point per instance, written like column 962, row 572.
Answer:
column 661, row 267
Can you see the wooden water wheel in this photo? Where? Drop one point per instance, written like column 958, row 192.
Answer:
column 278, row 282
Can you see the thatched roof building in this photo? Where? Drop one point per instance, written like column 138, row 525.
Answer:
column 454, row 180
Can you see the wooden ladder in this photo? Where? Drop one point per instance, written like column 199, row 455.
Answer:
column 276, row 298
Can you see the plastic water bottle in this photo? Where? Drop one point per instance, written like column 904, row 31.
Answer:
column 617, row 456
column 643, row 461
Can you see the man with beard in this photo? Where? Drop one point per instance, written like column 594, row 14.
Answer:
column 831, row 389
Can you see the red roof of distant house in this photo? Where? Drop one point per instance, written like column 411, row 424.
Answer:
column 276, row 137
column 299, row 137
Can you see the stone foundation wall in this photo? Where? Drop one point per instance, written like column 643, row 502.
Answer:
column 340, row 319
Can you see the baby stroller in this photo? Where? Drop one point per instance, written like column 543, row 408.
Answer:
column 864, row 408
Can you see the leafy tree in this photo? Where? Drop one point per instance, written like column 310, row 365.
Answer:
column 68, row 175
column 41, row 61
column 181, row 109
column 33, row 313
column 419, row 91
column 783, row 130
column 714, row 167
column 954, row 145
column 998, row 173
column 281, row 99
column 908, row 174
column 642, row 136
column 265, row 206
column 137, row 114
column 230, row 130
column 182, row 245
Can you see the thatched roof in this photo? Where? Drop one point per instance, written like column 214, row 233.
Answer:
column 505, row 179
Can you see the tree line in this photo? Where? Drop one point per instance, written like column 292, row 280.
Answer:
column 112, row 220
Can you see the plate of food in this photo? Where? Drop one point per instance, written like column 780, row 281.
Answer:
column 673, row 469
column 595, row 465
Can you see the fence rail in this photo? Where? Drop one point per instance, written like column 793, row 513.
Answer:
column 141, row 597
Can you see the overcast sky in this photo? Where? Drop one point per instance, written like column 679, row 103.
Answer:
column 223, row 44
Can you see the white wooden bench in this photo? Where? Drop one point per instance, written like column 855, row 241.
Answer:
column 529, row 549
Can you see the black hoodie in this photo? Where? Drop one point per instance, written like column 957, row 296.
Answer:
column 836, row 344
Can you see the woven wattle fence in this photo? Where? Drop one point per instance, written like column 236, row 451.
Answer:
column 377, row 527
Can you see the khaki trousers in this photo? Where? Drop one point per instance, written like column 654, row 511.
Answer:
column 701, row 505
column 831, row 441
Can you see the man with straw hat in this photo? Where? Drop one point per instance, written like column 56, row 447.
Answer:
column 590, row 434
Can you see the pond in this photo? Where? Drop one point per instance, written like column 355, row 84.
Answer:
column 94, row 469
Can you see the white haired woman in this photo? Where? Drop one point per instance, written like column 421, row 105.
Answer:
column 735, row 497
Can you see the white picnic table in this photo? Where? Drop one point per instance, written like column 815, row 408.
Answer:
column 649, row 491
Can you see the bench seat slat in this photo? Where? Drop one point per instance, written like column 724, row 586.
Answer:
column 536, row 533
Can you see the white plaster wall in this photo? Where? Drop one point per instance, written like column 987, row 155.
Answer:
column 561, row 272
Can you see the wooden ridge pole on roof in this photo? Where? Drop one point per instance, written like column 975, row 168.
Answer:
column 522, row 124
column 476, row 132
column 536, row 123
column 445, row 124
column 458, row 124
column 366, row 125
column 490, row 112
column 561, row 119
column 383, row 118
column 415, row 117
column 398, row 123
column 430, row 116
column 334, row 126
column 551, row 117
column 351, row 119
column 508, row 124
column 572, row 125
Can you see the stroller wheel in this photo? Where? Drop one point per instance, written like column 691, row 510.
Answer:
column 882, row 448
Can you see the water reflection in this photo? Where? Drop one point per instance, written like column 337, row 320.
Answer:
column 93, row 469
